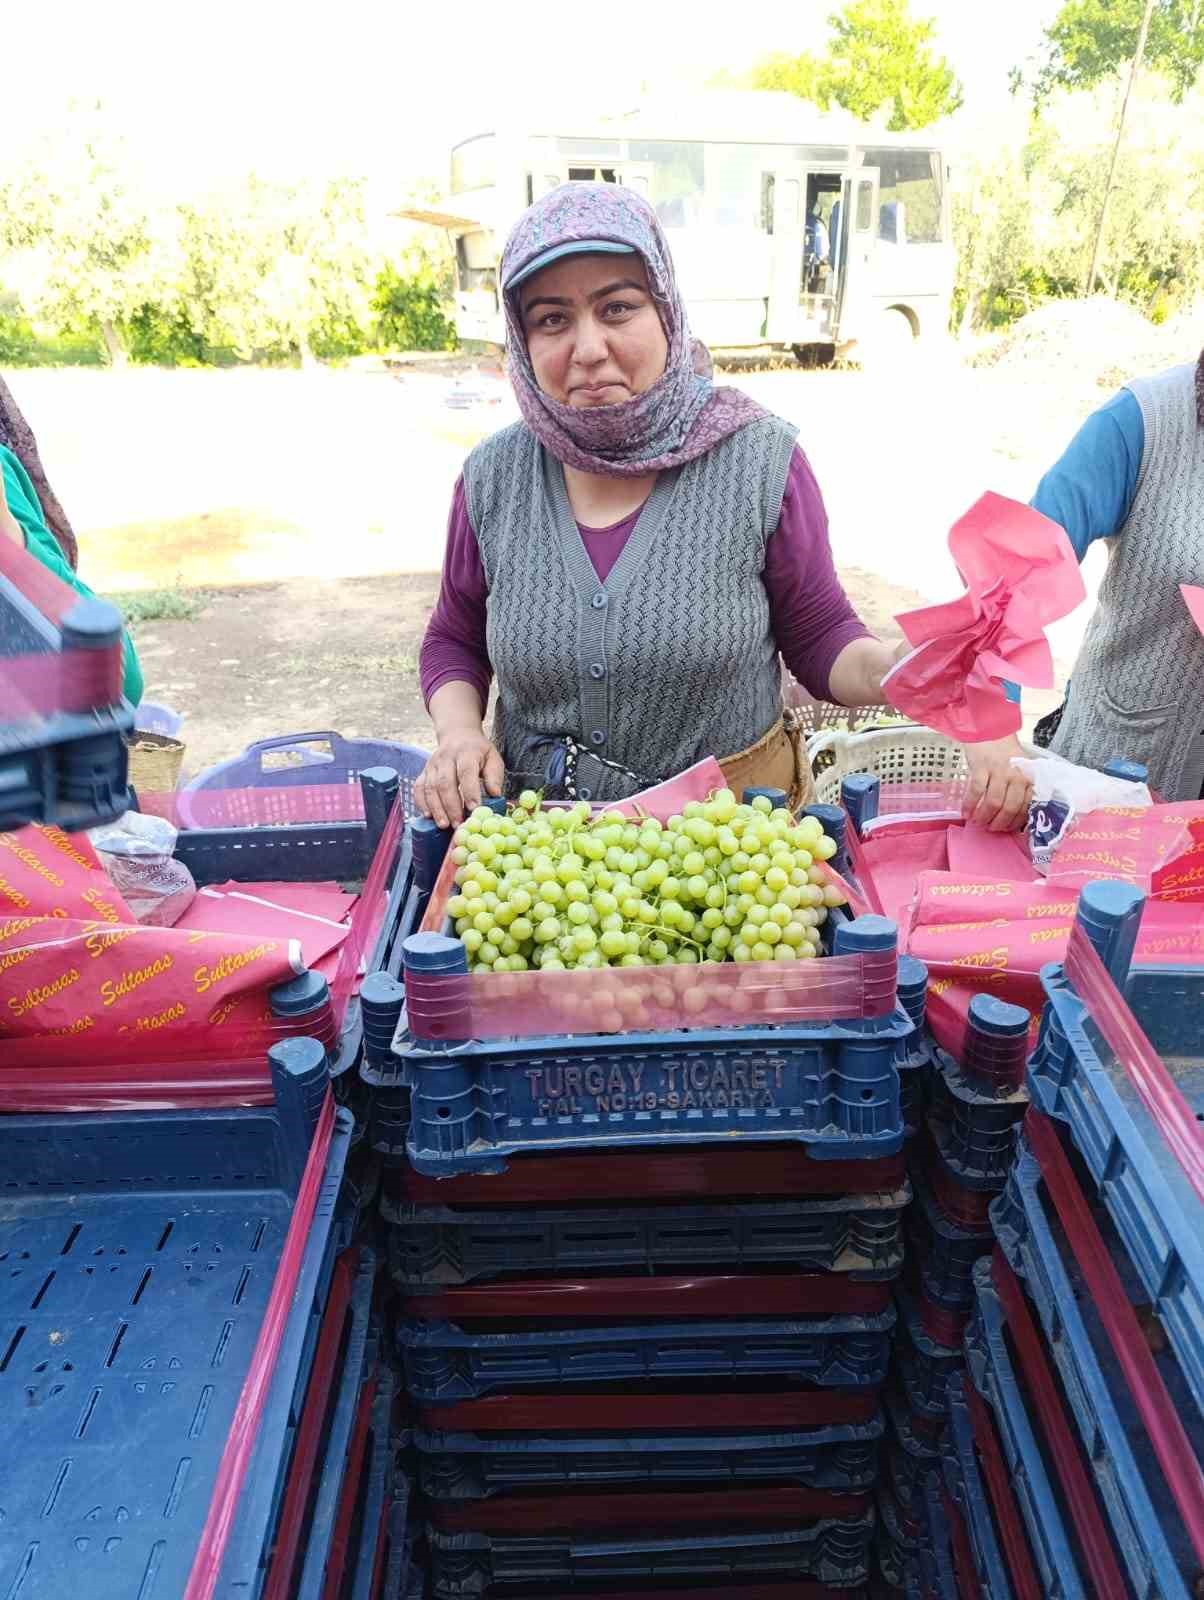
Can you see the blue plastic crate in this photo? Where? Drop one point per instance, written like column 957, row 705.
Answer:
column 930, row 1365
column 468, row 1466
column 832, row 1086
column 936, row 1551
column 445, row 1362
column 322, row 1512
column 316, row 852
column 141, row 1249
column 894, row 1549
column 1146, row 1526
column 403, row 1578
column 963, row 1479
column 990, row 1368
column 472, row 1564
column 975, row 1133
column 66, row 769
column 908, row 1455
column 945, row 1252
column 300, row 760
column 381, row 1485
column 1074, row 1077
column 856, row 1235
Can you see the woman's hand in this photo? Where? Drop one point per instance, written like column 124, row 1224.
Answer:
column 465, row 763
column 999, row 793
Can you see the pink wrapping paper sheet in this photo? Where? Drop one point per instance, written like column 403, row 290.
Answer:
column 246, row 915
column 1021, row 574
column 896, row 857
column 975, row 851
column 993, row 936
column 665, row 800
column 1193, row 598
column 1132, row 845
column 321, row 899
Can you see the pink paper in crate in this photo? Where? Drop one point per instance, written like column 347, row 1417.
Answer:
column 246, row 915
column 1133, row 845
column 665, row 800
column 1020, row 574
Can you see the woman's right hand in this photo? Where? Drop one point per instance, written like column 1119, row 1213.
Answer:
column 465, row 766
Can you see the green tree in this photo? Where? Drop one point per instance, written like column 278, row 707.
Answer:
column 278, row 270
column 879, row 58
column 1093, row 40
column 83, row 248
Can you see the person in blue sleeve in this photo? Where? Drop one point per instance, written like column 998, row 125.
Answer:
column 1133, row 476
column 22, row 521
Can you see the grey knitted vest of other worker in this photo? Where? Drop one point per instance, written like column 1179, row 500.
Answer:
column 673, row 657
column 1138, row 685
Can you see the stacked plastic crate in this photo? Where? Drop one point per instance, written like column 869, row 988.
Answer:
column 195, row 1396
column 644, row 1291
column 1077, row 1455
column 962, row 1117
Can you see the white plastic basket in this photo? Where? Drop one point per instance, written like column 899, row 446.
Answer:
column 903, row 754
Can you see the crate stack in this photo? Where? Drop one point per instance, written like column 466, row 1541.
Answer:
column 149, row 1252
column 962, row 1121
column 644, row 1343
column 1076, row 1449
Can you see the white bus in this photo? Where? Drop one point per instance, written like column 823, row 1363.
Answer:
column 791, row 229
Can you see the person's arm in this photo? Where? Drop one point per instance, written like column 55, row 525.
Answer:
column 1089, row 492
column 21, row 520
column 822, row 639
column 455, row 674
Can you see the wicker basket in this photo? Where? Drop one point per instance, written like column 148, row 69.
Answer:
column 155, row 762
column 904, row 753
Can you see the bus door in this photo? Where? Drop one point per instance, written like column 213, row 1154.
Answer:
column 858, row 238
column 782, row 197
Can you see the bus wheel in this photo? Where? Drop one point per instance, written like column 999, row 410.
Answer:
column 890, row 342
column 810, row 356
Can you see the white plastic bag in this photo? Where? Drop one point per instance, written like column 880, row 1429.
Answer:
column 136, row 852
column 1062, row 792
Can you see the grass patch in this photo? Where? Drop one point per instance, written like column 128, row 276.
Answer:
column 395, row 666
column 161, row 605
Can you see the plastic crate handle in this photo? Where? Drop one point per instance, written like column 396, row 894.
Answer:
column 294, row 741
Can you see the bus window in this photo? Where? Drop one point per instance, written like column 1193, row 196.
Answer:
column 912, row 180
column 767, row 187
column 677, row 179
column 865, row 203
column 474, row 164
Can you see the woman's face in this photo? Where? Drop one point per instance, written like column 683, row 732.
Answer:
column 593, row 331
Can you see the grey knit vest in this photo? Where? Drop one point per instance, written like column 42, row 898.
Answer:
column 1138, row 688
column 673, row 657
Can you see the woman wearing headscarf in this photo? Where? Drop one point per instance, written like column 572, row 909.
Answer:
column 26, row 515
column 634, row 558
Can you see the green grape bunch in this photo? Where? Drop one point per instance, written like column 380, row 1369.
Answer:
column 564, row 889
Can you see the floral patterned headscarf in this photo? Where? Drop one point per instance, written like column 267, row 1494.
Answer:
column 683, row 414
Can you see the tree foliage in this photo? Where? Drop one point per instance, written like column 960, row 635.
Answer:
column 879, row 59
column 264, row 270
column 1092, row 40
column 1026, row 207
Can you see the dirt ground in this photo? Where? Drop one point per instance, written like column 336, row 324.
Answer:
column 314, row 655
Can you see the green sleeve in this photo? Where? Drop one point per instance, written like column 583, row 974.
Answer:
column 44, row 547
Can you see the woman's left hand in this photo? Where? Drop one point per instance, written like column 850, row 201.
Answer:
column 999, row 793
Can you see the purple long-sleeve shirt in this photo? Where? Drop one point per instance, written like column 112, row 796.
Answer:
column 809, row 612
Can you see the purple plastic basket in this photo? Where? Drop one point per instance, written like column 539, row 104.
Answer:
column 310, row 761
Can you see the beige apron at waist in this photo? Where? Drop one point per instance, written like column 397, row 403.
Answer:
column 777, row 761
